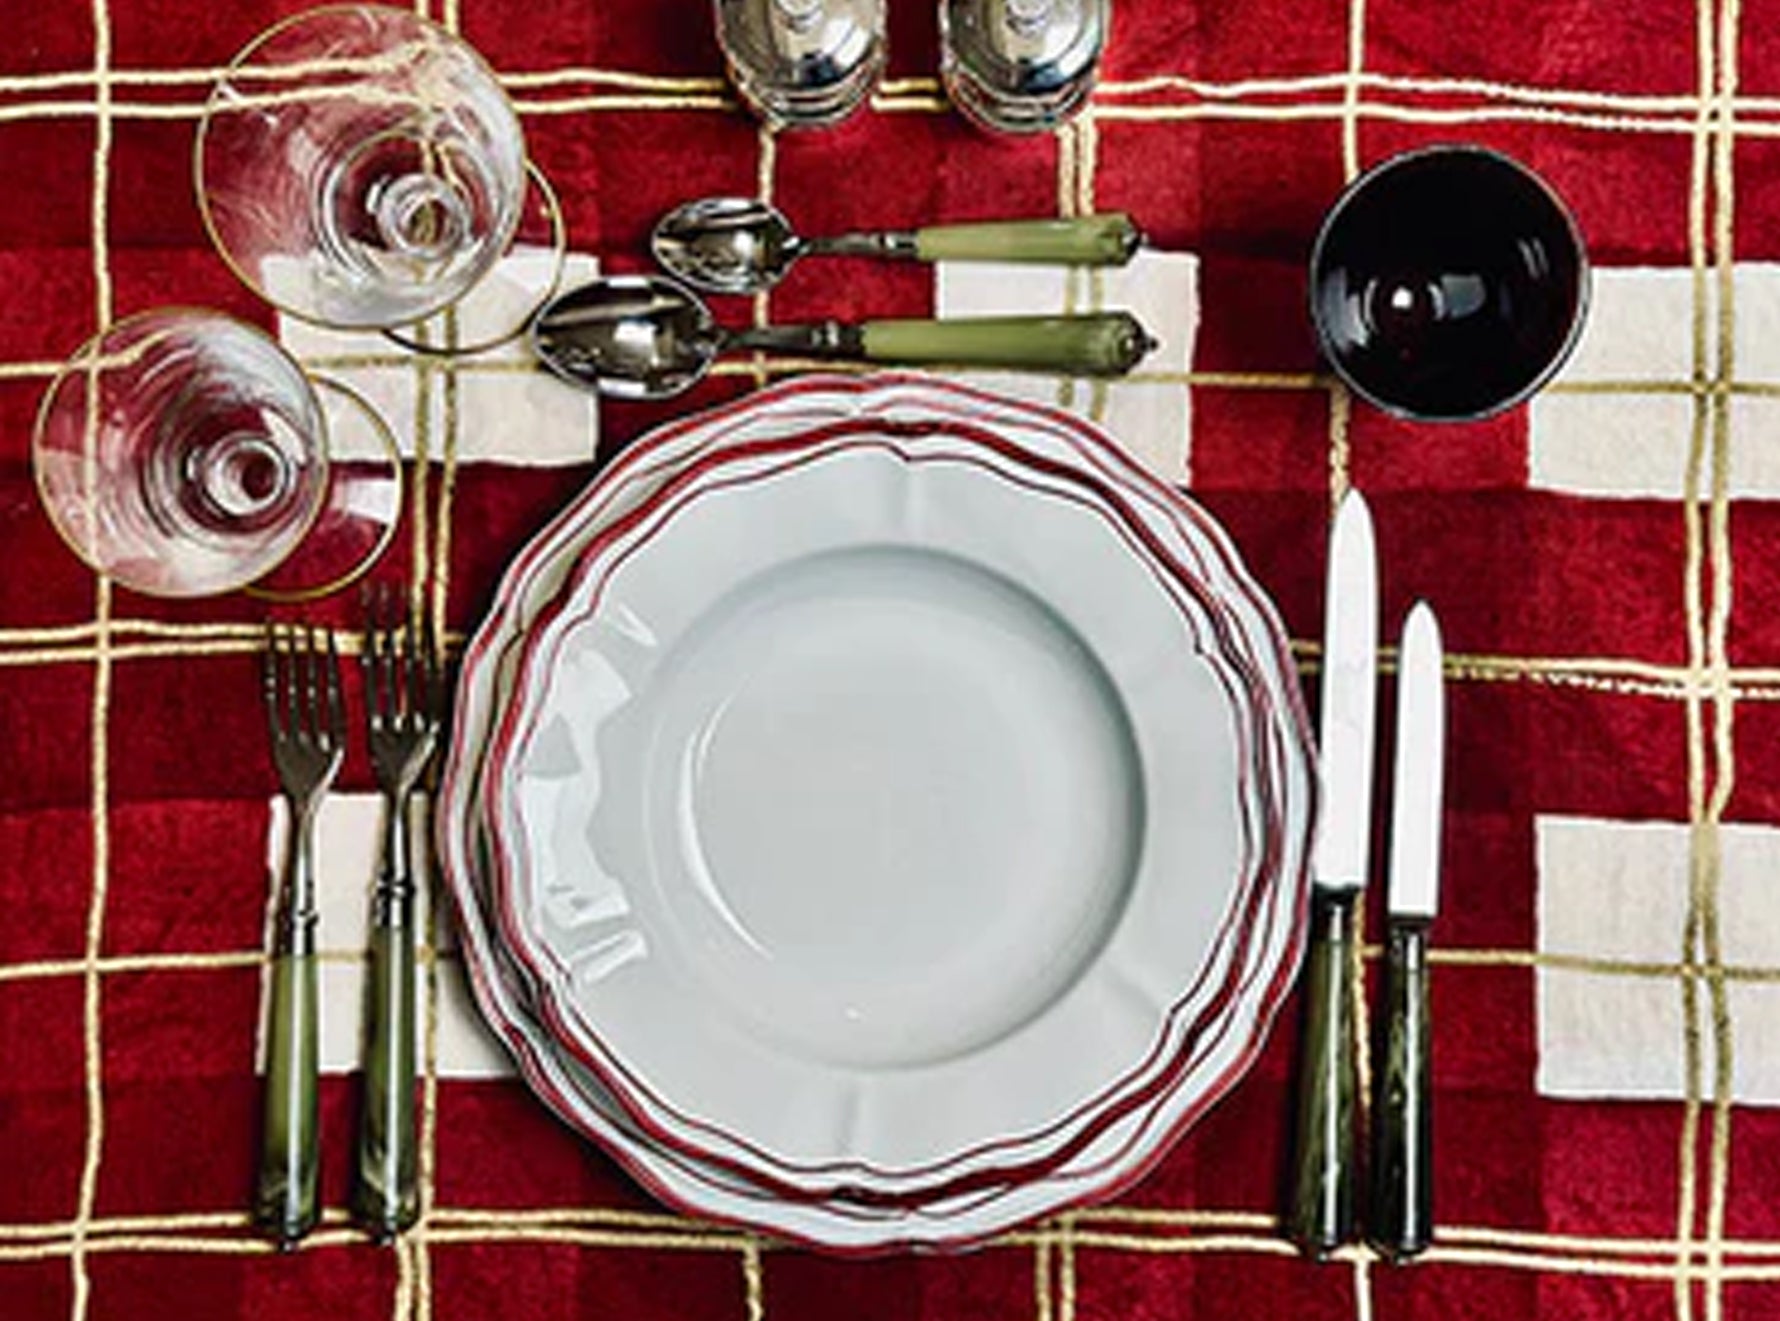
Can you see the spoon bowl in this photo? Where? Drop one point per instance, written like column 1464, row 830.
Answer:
column 732, row 245
column 1448, row 284
column 632, row 336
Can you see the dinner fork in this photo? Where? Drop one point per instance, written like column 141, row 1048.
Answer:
column 403, row 701
column 301, row 672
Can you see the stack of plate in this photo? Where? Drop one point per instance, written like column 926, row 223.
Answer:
column 877, row 811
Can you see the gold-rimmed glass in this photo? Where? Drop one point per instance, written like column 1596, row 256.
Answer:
column 184, row 453
column 362, row 168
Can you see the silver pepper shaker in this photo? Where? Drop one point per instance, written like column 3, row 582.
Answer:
column 1021, row 66
column 802, row 62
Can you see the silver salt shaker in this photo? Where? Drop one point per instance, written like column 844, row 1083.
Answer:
column 802, row 62
column 1021, row 66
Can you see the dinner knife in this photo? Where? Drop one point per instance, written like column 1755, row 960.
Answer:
column 1400, row 1201
column 1321, row 1213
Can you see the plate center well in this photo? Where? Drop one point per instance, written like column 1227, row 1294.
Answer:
column 894, row 805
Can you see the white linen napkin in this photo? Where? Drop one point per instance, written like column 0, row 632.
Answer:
column 1615, row 893
column 507, row 410
column 1614, row 424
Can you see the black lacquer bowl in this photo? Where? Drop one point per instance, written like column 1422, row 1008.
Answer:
column 1447, row 283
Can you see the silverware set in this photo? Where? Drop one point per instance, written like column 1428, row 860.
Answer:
column 1399, row 1204
column 404, row 700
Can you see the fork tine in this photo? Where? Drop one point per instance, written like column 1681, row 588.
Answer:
column 416, row 676
column 389, row 655
column 303, row 677
column 395, row 625
column 290, row 676
column 434, row 665
column 269, row 679
column 315, row 710
column 367, row 655
column 392, row 653
column 370, row 658
column 336, row 707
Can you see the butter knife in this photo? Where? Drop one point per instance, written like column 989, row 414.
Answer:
column 1320, row 1217
column 1400, row 1201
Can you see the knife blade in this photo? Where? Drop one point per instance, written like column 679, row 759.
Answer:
column 1400, row 1204
column 1320, row 1217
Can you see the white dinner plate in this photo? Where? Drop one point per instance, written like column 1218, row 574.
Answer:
column 1109, row 1161
column 892, row 825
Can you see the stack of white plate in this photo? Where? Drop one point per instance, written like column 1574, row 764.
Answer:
column 877, row 811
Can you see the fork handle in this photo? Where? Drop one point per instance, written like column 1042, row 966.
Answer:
column 385, row 1197
column 286, row 1203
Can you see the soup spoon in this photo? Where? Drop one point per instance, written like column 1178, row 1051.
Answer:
column 737, row 245
column 646, row 337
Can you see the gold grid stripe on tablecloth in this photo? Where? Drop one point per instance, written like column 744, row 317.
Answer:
column 1694, row 587
column 414, row 1294
column 1446, row 955
column 1336, row 94
column 1724, row 148
column 1130, row 1231
column 92, row 1006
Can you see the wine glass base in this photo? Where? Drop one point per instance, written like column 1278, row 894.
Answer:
column 357, row 522
column 483, row 318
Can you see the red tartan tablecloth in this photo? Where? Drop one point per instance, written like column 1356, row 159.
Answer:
column 1615, row 659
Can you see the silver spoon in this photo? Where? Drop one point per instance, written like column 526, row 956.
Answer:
column 646, row 337
column 737, row 245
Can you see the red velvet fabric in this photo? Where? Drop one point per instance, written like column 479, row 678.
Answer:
column 133, row 791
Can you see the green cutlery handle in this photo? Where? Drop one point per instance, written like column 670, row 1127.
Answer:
column 1108, row 240
column 1400, row 1201
column 385, row 1192
column 1096, row 344
column 286, row 1205
column 1321, row 1214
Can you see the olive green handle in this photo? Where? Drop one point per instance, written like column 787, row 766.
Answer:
column 1321, row 1215
column 1400, row 1200
column 1108, row 240
column 1096, row 344
column 385, row 1197
column 385, row 1193
column 286, row 1204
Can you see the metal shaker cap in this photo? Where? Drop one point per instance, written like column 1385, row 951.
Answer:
column 802, row 61
column 1023, row 64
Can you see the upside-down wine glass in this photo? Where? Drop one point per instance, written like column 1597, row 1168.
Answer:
column 185, row 453
column 362, row 168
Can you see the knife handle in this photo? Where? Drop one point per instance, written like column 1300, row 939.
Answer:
column 385, row 1196
column 1400, row 1204
column 1321, row 1215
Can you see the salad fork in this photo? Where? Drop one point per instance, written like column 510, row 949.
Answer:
column 404, row 694
column 301, row 674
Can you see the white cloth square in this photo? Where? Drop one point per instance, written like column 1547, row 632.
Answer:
column 508, row 410
column 1628, row 443
column 348, row 835
column 1618, row 890
column 1151, row 418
